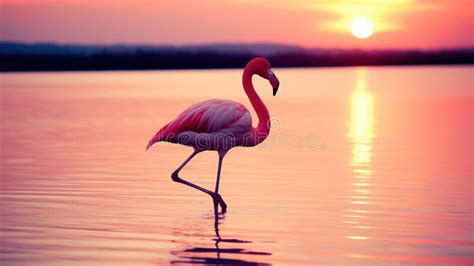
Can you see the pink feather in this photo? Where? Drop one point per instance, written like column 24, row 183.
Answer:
column 211, row 116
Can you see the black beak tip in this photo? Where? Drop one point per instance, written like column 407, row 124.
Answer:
column 275, row 90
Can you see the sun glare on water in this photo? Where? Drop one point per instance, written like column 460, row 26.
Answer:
column 362, row 27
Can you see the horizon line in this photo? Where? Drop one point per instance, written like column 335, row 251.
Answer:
column 289, row 45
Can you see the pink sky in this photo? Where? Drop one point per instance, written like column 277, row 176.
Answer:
column 319, row 23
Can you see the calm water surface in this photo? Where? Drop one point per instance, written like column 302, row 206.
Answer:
column 364, row 166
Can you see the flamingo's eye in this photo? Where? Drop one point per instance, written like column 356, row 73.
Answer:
column 270, row 72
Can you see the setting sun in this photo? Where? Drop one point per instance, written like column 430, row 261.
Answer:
column 362, row 27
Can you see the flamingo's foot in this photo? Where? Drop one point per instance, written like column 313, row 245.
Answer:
column 217, row 199
column 222, row 203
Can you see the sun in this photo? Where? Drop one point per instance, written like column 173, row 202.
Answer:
column 362, row 27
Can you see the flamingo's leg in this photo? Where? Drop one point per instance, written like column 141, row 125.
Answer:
column 175, row 177
column 220, row 199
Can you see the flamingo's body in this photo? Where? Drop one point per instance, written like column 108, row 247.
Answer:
column 220, row 125
column 207, row 124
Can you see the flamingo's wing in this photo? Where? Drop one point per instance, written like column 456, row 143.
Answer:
column 206, row 117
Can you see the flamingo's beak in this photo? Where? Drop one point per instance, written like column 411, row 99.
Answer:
column 275, row 84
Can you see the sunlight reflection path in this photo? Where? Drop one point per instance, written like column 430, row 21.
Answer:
column 361, row 134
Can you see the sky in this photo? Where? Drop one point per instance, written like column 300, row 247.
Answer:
column 399, row 24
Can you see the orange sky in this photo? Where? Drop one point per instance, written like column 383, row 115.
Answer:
column 318, row 23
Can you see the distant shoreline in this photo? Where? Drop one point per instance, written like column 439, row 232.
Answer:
column 215, row 68
column 17, row 57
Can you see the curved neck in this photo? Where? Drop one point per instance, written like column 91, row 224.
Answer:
column 263, row 129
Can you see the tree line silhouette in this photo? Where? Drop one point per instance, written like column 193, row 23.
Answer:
column 182, row 59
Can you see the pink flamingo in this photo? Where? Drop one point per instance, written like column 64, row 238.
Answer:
column 220, row 125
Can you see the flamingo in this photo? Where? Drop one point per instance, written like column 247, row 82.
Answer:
column 220, row 125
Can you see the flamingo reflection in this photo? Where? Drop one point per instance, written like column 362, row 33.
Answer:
column 214, row 255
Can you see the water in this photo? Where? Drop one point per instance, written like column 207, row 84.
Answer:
column 364, row 166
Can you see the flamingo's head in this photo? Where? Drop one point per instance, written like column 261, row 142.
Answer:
column 263, row 68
